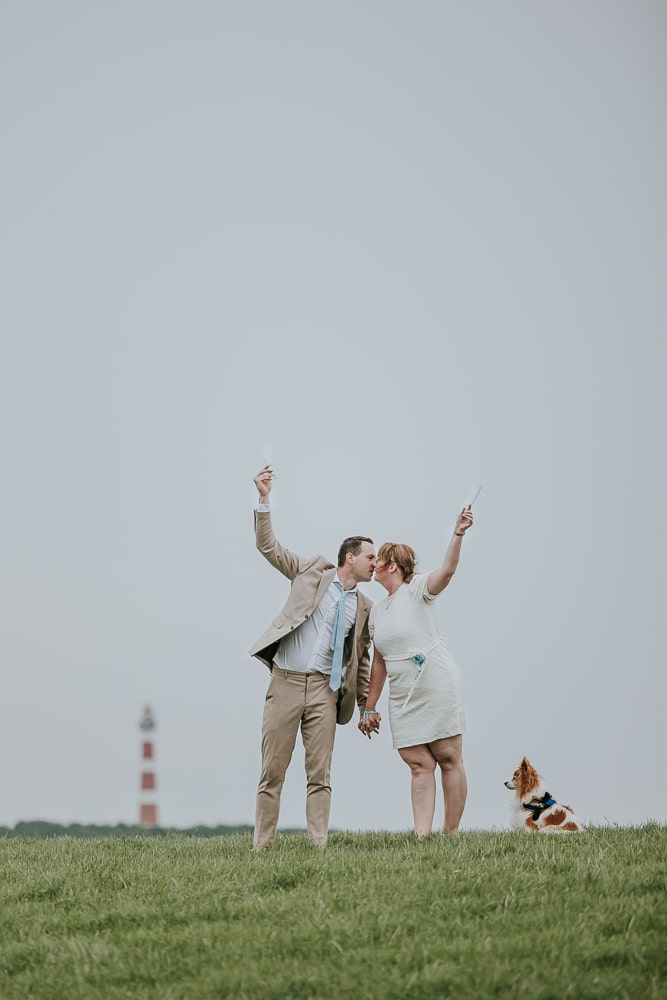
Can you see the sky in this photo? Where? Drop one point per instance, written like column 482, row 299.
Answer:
column 412, row 247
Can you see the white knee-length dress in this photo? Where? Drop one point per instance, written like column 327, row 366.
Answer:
column 425, row 698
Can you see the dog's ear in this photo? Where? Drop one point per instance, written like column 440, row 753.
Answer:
column 525, row 762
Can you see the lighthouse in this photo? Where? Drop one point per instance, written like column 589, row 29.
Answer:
column 148, row 803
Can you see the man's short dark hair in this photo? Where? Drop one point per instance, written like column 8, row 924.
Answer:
column 353, row 545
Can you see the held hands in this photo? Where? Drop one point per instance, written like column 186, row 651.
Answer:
column 369, row 723
column 464, row 520
column 263, row 481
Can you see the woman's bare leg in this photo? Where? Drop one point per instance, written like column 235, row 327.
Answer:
column 421, row 762
column 449, row 755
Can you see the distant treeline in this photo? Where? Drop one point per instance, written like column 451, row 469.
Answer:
column 42, row 828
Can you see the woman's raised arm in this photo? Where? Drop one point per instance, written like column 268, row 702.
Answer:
column 438, row 579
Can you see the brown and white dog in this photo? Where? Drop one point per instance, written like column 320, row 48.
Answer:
column 534, row 808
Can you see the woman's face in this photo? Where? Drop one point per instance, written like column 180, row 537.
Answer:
column 382, row 571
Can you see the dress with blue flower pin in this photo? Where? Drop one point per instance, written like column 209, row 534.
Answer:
column 426, row 701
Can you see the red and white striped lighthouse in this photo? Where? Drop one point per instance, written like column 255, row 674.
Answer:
column 148, row 804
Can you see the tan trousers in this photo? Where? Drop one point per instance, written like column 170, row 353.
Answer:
column 295, row 700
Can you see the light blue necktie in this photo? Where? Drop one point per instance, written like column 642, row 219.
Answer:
column 337, row 640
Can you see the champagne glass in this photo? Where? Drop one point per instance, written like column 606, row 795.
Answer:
column 267, row 455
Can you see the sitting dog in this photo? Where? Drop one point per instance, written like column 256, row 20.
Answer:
column 534, row 808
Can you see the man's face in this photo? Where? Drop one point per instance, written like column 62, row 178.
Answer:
column 363, row 564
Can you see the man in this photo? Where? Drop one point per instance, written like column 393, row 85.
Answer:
column 317, row 650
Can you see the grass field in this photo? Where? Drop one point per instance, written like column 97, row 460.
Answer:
column 371, row 916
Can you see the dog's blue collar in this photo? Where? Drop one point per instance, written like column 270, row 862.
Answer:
column 538, row 806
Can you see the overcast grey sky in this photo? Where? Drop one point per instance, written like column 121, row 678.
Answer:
column 416, row 247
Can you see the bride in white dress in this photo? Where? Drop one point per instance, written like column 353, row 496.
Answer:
column 426, row 708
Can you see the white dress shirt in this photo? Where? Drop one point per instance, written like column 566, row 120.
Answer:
column 307, row 649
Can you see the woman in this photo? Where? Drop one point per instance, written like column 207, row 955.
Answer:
column 426, row 715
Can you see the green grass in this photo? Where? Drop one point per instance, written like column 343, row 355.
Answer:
column 371, row 916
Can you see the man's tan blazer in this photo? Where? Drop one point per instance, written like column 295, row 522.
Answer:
column 310, row 579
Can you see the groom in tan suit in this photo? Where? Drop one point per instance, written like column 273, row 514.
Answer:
column 306, row 690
